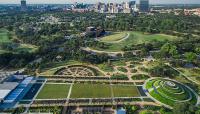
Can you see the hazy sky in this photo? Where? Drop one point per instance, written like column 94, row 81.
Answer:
column 94, row 1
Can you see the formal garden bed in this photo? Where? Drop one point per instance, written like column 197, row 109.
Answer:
column 140, row 77
column 77, row 70
column 119, row 77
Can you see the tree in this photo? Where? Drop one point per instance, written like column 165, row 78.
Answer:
column 168, row 50
column 190, row 56
column 197, row 50
column 184, row 108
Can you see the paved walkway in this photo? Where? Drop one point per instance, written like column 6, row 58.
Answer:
column 98, row 51
column 118, row 41
column 182, row 74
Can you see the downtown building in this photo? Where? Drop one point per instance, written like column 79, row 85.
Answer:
column 144, row 6
column 23, row 5
column 125, row 7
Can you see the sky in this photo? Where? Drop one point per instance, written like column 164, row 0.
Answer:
column 94, row 1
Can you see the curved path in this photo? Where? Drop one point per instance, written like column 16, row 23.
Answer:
column 118, row 41
column 98, row 51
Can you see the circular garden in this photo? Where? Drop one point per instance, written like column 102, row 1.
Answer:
column 168, row 92
column 77, row 70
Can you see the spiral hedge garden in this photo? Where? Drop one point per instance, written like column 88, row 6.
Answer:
column 168, row 92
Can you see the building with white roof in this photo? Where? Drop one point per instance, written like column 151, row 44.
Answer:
column 6, row 88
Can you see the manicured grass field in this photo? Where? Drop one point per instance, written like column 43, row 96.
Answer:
column 54, row 91
column 125, row 91
column 115, row 36
column 4, row 36
column 138, row 38
column 91, row 91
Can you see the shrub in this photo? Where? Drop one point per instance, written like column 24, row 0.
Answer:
column 119, row 77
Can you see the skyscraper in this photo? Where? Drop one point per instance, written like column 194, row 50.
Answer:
column 133, row 6
column 144, row 5
column 23, row 5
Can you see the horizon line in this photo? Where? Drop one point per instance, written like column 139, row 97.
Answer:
column 95, row 3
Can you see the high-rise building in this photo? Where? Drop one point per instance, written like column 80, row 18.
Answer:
column 132, row 5
column 144, row 5
column 126, row 5
column 23, row 5
column 98, row 6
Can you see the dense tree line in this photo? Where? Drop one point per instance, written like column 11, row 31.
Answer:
column 52, row 42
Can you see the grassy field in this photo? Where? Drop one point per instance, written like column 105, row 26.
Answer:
column 91, row 91
column 115, row 36
column 4, row 36
column 137, row 38
column 87, row 90
column 54, row 91
column 125, row 91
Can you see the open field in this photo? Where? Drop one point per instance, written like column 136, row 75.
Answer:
column 125, row 91
column 87, row 90
column 4, row 36
column 54, row 91
column 91, row 91
column 137, row 38
column 115, row 36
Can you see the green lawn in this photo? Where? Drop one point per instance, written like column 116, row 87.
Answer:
column 54, row 91
column 4, row 39
column 91, row 91
column 137, row 38
column 115, row 36
column 4, row 36
column 125, row 91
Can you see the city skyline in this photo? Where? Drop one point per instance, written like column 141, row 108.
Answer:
column 94, row 1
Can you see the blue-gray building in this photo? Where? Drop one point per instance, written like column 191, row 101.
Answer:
column 23, row 5
column 144, row 5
